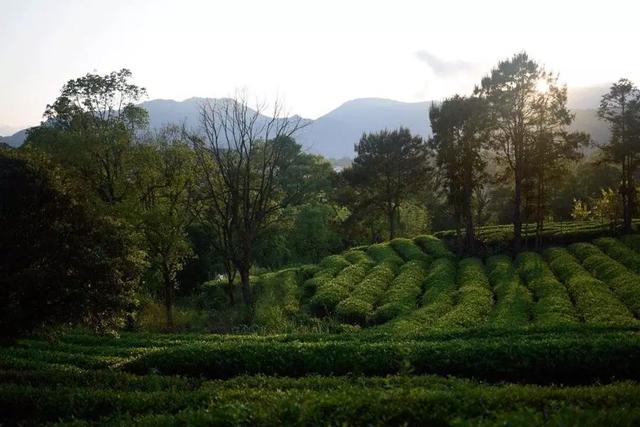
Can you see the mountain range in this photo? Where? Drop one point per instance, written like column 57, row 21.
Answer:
column 334, row 134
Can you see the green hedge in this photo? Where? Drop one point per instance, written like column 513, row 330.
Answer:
column 328, row 269
column 402, row 295
column 396, row 400
column 538, row 359
column 513, row 301
column 553, row 305
column 330, row 293
column 437, row 300
column 620, row 252
column 408, row 250
column 632, row 241
column 433, row 247
column 625, row 284
column 383, row 252
column 358, row 307
column 355, row 256
column 474, row 298
column 593, row 299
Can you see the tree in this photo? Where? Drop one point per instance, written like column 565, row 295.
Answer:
column 312, row 237
column 389, row 168
column 552, row 146
column 459, row 134
column 166, row 207
column 515, row 92
column 60, row 263
column 621, row 109
column 89, row 129
column 607, row 207
column 241, row 158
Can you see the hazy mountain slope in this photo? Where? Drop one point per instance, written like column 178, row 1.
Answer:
column 16, row 139
column 335, row 133
column 585, row 98
column 167, row 111
column 8, row 130
column 588, row 121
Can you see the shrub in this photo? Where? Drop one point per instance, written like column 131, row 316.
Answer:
column 553, row 305
column 278, row 300
column 358, row 307
column 152, row 318
column 595, row 302
column 329, row 267
column 538, row 359
column 620, row 252
column 437, row 300
column 356, row 256
column 383, row 252
column 338, row 289
column 513, row 301
column 334, row 264
column 632, row 241
column 54, row 395
column 433, row 246
column 625, row 284
column 402, row 295
column 60, row 263
column 354, row 310
column 408, row 250
column 474, row 297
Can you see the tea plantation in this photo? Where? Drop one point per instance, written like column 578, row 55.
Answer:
column 406, row 333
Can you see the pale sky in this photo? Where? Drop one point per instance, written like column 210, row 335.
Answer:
column 314, row 55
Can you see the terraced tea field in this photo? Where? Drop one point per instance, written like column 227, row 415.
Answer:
column 426, row 339
column 418, row 286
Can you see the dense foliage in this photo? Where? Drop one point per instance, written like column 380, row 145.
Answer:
column 59, row 263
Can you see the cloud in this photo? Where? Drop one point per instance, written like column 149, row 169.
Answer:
column 443, row 68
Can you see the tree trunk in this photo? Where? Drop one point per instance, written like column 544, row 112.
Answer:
column 628, row 198
column 391, row 214
column 517, row 218
column 470, row 238
column 459, row 243
column 245, row 285
column 230, row 293
column 168, row 299
column 539, row 212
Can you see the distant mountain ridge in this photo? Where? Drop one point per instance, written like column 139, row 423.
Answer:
column 334, row 134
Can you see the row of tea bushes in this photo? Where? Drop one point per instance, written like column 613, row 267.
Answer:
column 553, row 305
column 625, row 284
column 474, row 298
column 358, row 307
column 620, row 252
column 593, row 299
column 513, row 301
column 258, row 401
column 331, row 292
column 537, row 358
column 437, row 300
column 409, row 250
column 402, row 295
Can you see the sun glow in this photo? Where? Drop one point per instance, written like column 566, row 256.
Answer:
column 542, row 86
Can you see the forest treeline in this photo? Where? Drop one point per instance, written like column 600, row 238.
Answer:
column 97, row 209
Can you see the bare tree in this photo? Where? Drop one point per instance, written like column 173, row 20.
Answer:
column 241, row 156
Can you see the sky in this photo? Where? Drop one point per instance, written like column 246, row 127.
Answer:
column 312, row 55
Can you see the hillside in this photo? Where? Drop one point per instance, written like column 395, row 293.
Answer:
column 334, row 134
column 418, row 286
column 14, row 140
